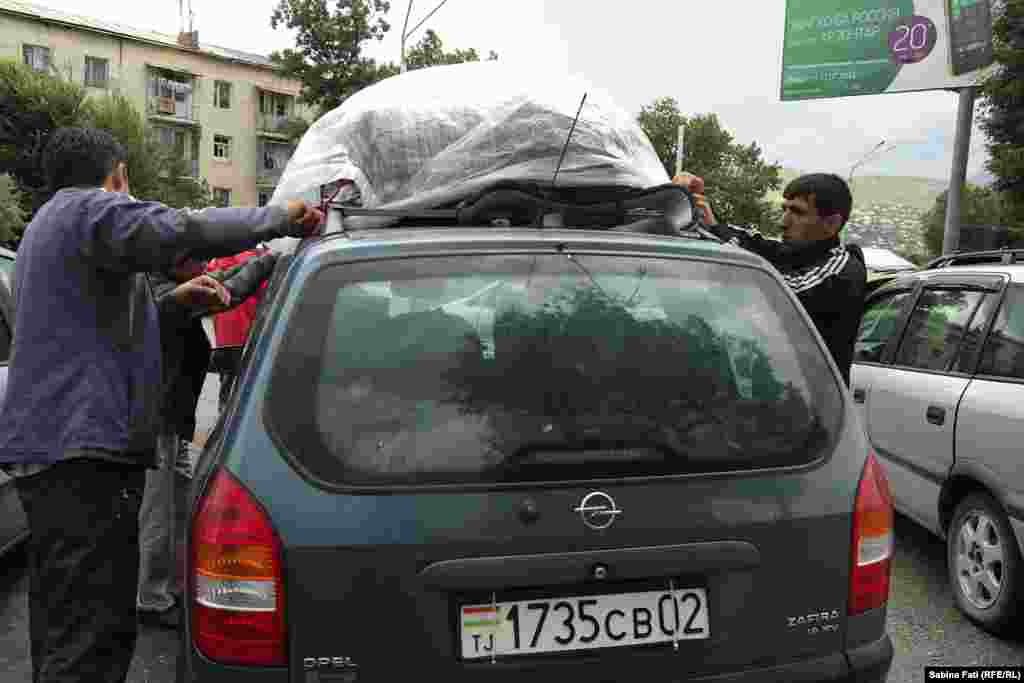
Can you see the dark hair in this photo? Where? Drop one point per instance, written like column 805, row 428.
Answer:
column 80, row 157
column 831, row 193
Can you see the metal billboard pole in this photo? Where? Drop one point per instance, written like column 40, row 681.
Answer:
column 680, row 148
column 958, row 177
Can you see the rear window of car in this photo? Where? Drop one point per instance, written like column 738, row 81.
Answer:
column 492, row 369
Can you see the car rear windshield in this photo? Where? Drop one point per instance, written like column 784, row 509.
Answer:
column 526, row 368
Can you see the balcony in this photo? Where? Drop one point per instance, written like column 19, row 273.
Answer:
column 277, row 125
column 170, row 110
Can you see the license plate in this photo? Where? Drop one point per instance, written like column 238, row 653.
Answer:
column 583, row 623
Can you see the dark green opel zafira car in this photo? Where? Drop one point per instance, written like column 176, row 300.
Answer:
column 526, row 454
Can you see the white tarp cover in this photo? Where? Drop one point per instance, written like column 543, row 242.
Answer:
column 434, row 136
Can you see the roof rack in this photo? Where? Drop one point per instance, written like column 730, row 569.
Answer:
column 967, row 258
column 449, row 218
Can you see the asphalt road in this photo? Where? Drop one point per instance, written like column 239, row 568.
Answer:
column 927, row 630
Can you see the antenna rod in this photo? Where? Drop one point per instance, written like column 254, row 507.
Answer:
column 565, row 147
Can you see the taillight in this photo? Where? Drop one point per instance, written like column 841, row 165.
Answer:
column 238, row 604
column 872, row 540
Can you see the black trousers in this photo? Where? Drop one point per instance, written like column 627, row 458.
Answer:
column 83, row 563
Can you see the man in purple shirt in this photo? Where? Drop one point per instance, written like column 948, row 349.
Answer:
column 79, row 422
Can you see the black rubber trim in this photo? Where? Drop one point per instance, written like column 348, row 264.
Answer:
column 871, row 663
column 574, row 567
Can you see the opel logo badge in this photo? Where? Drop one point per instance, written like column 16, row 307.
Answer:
column 598, row 510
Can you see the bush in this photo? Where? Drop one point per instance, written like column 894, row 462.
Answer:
column 33, row 105
column 13, row 216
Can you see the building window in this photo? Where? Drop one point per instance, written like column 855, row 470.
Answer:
column 37, row 57
column 276, row 157
column 221, row 196
column 97, row 72
column 222, row 147
column 263, row 198
column 275, row 104
column 222, row 95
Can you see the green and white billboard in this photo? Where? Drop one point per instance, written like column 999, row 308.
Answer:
column 838, row 48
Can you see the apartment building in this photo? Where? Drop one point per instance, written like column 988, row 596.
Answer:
column 226, row 111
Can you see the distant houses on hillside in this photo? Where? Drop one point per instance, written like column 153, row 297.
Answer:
column 887, row 226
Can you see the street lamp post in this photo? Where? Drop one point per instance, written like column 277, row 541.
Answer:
column 867, row 156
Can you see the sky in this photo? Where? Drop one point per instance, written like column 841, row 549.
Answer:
column 721, row 56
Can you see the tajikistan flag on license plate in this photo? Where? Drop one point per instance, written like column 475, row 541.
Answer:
column 479, row 617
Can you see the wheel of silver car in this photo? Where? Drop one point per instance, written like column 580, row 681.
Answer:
column 984, row 563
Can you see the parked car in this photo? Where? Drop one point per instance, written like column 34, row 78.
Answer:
column 13, row 523
column 498, row 426
column 938, row 376
column 880, row 260
column 598, row 495
column 883, row 266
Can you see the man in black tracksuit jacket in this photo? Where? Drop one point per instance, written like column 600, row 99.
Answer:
column 829, row 279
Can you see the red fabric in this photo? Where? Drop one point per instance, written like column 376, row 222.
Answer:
column 231, row 328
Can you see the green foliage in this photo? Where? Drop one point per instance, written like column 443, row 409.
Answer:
column 32, row 106
column 13, row 215
column 328, row 56
column 736, row 176
column 429, row 51
column 1002, row 115
column 978, row 206
column 156, row 173
column 661, row 121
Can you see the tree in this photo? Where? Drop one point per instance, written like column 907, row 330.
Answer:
column 736, row 176
column 12, row 214
column 429, row 51
column 32, row 106
column 328, row 58
column 978, row 206
column 155, row 172
column 1002, row 116
column 661, row 121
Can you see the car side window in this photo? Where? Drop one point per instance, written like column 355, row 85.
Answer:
column 878, row 325
column 1003, row 355
column 967, row 359
column 937, row 327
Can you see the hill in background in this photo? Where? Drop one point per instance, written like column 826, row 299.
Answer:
column 872, row 190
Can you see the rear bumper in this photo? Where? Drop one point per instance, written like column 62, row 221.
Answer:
column 867, row 664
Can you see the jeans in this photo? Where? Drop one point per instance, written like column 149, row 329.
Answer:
column 161, row 578
column 83, row 556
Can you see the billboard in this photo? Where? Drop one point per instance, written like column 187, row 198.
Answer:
column 838, row 48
